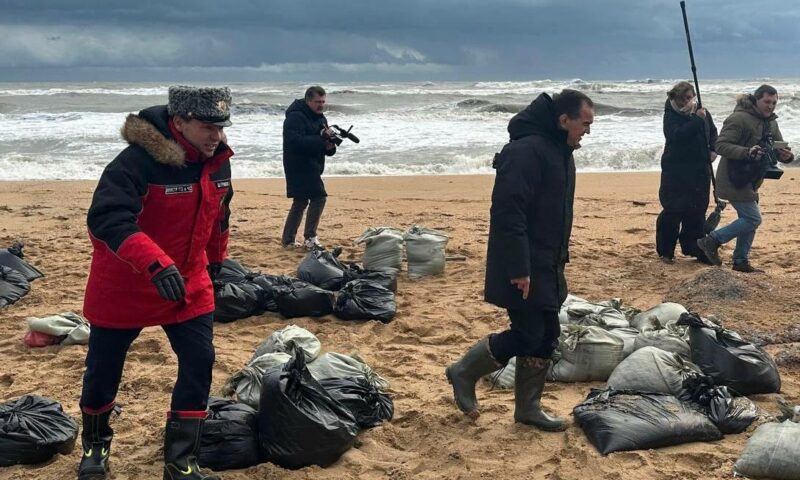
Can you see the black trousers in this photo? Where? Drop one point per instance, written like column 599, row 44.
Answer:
column 685, row 226
column 192, row 343
column 533, row 333
column 295, row 216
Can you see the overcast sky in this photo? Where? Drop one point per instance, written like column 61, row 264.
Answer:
column 351, row 40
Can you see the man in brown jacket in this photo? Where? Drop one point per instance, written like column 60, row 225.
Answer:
column 740, row 143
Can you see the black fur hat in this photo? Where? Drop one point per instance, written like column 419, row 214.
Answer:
column 207, row 104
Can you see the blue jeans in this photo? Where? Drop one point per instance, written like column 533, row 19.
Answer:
column 743, row 229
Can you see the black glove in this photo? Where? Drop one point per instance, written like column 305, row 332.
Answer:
column 213, row 270
column 169, row 284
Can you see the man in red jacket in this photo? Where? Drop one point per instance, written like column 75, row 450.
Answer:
column 159, row 226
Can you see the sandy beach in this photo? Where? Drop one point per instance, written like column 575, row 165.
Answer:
column 613, row 255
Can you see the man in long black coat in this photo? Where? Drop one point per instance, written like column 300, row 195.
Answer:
column 305, row 145
column 531, row 221
column 689, row 135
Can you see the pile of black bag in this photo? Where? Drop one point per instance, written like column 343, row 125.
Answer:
column 657, row 398
column 15, row 275
column 33, row 429
column 324, row 286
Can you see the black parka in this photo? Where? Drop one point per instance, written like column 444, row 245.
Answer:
column 304, row 151
column 685, row 169
column 531, row 212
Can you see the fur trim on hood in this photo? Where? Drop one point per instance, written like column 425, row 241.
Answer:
column 746, row 102
column 138, row 131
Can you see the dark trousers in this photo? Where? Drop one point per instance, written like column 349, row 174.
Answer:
column 683, row 225
column 192, row 343
column 315, row 208
column 533, row 333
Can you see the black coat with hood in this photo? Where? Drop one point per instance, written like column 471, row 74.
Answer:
column 531, row 212
column 685, row 169
column 304, row 151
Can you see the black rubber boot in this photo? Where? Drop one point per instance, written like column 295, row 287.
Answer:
column 465, row 373
column 181, row 443
column 710, row 246
column 96, row 440
column 528, row 387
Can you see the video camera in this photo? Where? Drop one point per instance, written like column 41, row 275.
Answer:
column 769, row 158
column 340, row 134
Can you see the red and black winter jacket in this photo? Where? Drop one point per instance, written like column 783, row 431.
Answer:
column 157, row 204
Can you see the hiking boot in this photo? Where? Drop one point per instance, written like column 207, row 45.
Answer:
column 529, row 379
column 710, row 246
column 96, row 438
column 465, row 373
column 313, row 244
column 746, row 267
column 181, row 445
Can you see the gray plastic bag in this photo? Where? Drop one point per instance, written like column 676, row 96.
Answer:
column 245, row 385
column 669, row 339
column 652, row 370
column 426, row 251
column 70, row 325
column 658, row 317
column 336, row 365
column 384, row 249
column 283, row 339
column 772, row 452
column 596, row 315
column 586, row 354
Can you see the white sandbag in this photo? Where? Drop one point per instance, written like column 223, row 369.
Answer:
column 772, row 452
column 283, row 339
column 71, row 325
column 596, row 315
column 384, row 249
column 652, row 370
column 245, row 385
column 572, row 299
column 668, row 339
column 658, row 317
column 425, row 249
column 336, row 365
column 586, row 354
column 628, row 335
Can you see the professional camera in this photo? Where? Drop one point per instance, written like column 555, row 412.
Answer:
column 769, row 158
column 339, row 135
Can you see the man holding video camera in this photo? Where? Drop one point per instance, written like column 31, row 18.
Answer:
column 307, row 140
column 750, row 144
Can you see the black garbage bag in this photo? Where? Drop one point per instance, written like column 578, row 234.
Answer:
column 301, row 299
column 13, row 286
column 233, row 272
column 13, row 257
column 323, row 269
column 364, row 300
column 723, row 355
column 268, row 284
column 33, row 429
column 234, row 301
column 622, row 420
column 230, row 436
column 300, row 424
column 387, row 280
column 369, row 406
column 730, row 414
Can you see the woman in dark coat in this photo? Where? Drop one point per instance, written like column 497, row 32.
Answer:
column 685, row 174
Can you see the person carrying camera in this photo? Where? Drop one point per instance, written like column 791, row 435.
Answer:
column 529, row 230
column 746, row 138
column 689, row 134
column 307, row 140
column 158, row 216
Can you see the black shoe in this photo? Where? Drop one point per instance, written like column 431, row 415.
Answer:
column 667, row 260
column 96, row 438
column 466, row 372
column 710, row 246
column 181, row 444
column 745, row 267
column 529, row 378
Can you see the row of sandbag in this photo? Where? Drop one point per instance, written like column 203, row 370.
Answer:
column 241, row 293
column 297, row 407
column 425, row 250
column 15, row 275
column 592, row 353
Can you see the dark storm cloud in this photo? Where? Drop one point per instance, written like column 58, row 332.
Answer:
column 420, row 39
